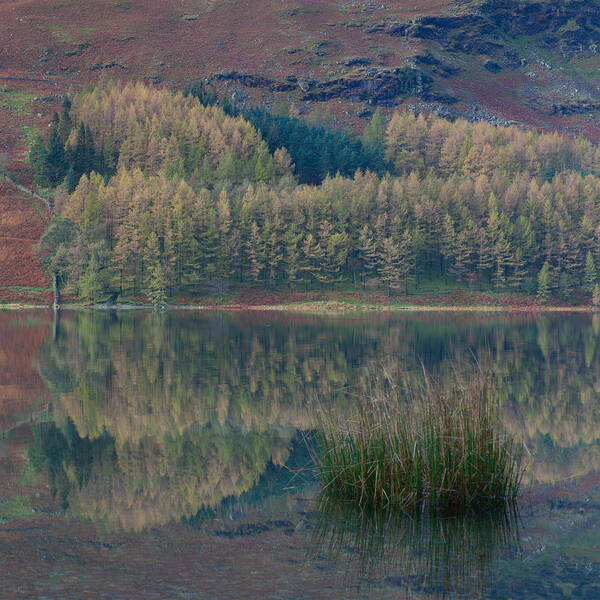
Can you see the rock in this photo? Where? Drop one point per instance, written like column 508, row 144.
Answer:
column 492, row 67
column 377, row 86
column 359, row 62
column 571, row 27
column 255, row 81
column 434, row 65
column 574, row 108
column 109, row 65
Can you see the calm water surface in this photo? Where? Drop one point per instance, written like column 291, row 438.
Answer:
column 147, row 455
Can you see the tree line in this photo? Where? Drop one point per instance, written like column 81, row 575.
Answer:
column 197, row 196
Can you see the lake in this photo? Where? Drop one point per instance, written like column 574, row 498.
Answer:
column 164, row 455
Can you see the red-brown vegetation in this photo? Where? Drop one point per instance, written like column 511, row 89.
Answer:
column 21, row 226
column 21, row 387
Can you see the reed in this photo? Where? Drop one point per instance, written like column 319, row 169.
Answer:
column 439, row 448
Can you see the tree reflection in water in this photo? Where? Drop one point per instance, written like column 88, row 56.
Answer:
column 160, row 415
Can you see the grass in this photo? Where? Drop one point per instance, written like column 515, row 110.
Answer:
column 441, row 450
column 15, row 101
column 17, row 507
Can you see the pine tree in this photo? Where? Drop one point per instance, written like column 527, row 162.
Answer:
column 501, row 254
column 91, row 285
column 65, row 124
column 291, row 253
column 374, row 133
column 517, row 276
column 367, row 250
column 55, row 158
column 273, row 251
column 406, row 260
column 256, row 252
column 389, row 271
column 336, row 254
column 596, row 295
column 484, row 263
column 79, row 158
column 590, row 277
column 38, row 158
column 543, row 283
column 311, row 258
column 448, row 241
column 71, row 180
column 155, row 284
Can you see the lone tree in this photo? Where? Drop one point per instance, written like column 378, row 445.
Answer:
column 54, row 251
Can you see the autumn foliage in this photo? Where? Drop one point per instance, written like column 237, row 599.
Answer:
column 196, row 198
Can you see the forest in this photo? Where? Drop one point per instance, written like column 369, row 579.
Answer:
column 158, row 195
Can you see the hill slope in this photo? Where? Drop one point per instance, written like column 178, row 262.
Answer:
column 525, row 61
column 529, row 62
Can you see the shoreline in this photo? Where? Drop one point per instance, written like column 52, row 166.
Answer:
column 328, row 307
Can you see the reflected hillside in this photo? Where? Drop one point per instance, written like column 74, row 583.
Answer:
column 22, row 391
column 140, row 484
column 159, row 415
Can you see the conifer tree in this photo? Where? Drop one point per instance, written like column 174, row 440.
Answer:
column 406, row 263
column 65, row 124
column 90, row 286
column 311, row 258
column 590, row 278
column 55, row 158
column 517, row 264
column 543, row 283
column 291, row 254
column 155, row 286
column 38, row 158
column 367, row 252
column 256, row 252
column 389, row 271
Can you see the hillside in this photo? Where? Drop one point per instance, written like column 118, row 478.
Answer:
column 532, row 63
column 21, row 225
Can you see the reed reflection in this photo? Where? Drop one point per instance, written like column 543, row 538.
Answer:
column 418, row 554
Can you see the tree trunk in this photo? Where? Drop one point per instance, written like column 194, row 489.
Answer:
column 56, row 290
column 56, row 323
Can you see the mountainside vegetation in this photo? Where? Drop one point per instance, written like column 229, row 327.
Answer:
column 169, row 195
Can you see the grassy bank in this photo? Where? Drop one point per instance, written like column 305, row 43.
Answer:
column 322, row 301
column 442, row 448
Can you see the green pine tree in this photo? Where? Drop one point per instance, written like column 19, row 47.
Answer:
column 590, row 276
column 90, row 284
column 543, row 289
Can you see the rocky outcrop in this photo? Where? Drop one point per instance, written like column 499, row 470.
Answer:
column 575, row 108
column 255, row 81
column 366, row 84
column 377, row 86
column 571, row 27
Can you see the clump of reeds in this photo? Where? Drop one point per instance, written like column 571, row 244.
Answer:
column 436, row 446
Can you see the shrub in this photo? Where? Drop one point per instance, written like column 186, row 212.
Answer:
column 441, row 447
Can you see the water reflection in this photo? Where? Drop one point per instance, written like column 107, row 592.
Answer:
column 440, row 558
column 157, row 416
